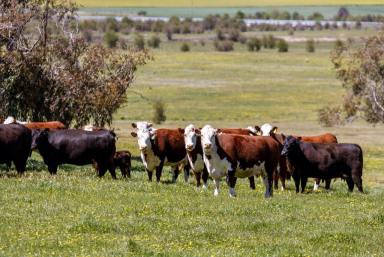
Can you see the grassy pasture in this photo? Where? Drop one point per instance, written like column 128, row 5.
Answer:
column 76, row 213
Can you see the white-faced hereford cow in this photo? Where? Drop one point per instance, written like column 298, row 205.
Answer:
column 195, row 151
column 239, row 156
column 159, row 147
column 324, row 161
column 15, row 145
column 78, row 147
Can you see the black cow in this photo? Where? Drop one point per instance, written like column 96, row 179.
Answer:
column 78, row 147
column 324, row 161
column 15, row 145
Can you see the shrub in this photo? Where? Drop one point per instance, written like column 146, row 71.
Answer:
column 139, row 42
column 220, row 34
column 87, row 34
column 282, row 45
column 158, row 112
column 111, row 38
column 310, row 46
column 234, row 35
column 330, row 116
column 154, row 41
column 169, row 33
column 184, row 47
column 254, row 44
column 223, row 46
column 271, row 41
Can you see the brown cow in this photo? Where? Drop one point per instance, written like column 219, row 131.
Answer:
column 122, row 159
column 45, row 125
column 239, row 156
column 159, row 147
column 195, row 151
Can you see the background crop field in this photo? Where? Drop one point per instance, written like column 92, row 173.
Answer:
column 221, row 3
column 77, row 214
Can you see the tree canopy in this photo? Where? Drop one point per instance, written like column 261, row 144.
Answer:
column 49, row 72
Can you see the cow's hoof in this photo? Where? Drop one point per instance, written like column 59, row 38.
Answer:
column 232, row 192
column 282, row 188
column 216, row 193
column 315, row 187
column 205, row 187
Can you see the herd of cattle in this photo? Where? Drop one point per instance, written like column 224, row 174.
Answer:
column 215, row 152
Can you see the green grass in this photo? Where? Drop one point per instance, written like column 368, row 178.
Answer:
column 77, row 214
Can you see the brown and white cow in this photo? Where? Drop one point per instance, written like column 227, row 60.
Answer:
column 239, row 156
column 159, row 147
column 36, row 125
column 195, row 151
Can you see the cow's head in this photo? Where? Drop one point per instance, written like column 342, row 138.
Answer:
column 144, row 137
column 208, row 134
column 268, row 130
column 254, row 130
column 141, row 125
column 39, row 137
column 190, row 137
column 290, row 144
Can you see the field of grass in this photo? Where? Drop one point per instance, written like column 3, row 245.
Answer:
column 77, row 214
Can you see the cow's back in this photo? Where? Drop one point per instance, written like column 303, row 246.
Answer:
column 326, row 138
column 169, row 144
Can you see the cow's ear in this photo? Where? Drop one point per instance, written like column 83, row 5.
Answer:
column 134, row 125
column 149, row 125
column 134, row 134
column 216, row 131
column 274, row 130
column 198, row 132
column 298, row 138
column 181, row 130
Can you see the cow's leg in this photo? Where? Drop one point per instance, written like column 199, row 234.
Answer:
column 128, row 168
column 52, row 168
column 282, row 172
column 268, row 183
column 316, row 184
column 101, row 170
column 123, row 170
column 350, row 184
column 159, row 170
column 111, row 168
column 217, row 187
column 149, row 173
column 359, row 182
column 20, row 166
column 176, row 172
column 252, row 182
column 296, row 178
column 205, row 176
column 303, row 183
column 198, row 177
column 275, row 179
column 232, row 183
column 186, row 173
column 328, row 183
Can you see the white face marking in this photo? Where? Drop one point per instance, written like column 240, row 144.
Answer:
column 144, row 139
column 252, row 129
column 208, row 134
column 266, row 129
column 142, row 125
column 190, row 137
column 9, row 120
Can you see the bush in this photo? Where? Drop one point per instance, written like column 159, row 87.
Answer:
column 220, row 34
column 330, row 116
column 111, row 38
column 234, row 35
column 224, row 46
column 184, row 47
column 254, row 44
column 139, row 42
column 158, row 112
column 310, row 46
column 154, row 41
column 282, row 46
column 269, row 41
column 169, row 33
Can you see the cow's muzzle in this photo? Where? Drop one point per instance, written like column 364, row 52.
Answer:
column 189, row 147
column 207, row 146
column 143, row 148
